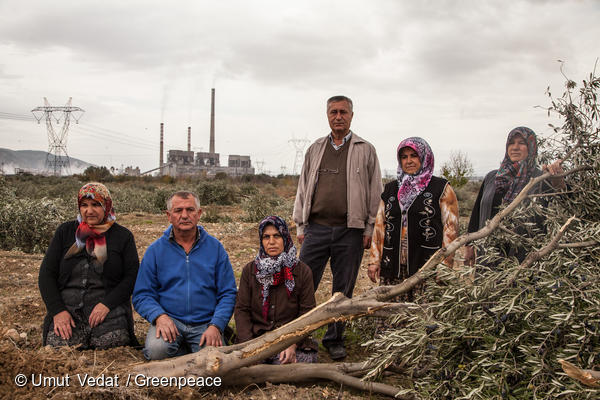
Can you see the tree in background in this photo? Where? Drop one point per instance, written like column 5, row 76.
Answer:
column 458, row 169
column 96, row 174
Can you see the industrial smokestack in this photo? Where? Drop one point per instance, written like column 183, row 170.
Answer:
column 189, row 138
column 212, row 121
column 162, row 135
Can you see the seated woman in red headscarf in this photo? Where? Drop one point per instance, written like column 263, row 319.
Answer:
column 275, row 288
column 87, row 277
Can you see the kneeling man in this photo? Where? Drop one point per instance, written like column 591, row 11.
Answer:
column 185, row 285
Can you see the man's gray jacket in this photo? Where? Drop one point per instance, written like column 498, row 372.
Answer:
column 363, row 183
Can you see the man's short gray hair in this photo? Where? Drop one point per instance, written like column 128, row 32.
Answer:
column 184, row 194
column 335, row 99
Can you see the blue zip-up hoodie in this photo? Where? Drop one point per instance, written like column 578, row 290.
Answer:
column 194, row 288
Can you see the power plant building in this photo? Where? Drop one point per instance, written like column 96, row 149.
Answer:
column 182, row 163
column 185, row 163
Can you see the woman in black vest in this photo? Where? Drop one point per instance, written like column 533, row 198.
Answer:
column 417, row 215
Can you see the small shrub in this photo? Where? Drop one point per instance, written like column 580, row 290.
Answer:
column 38, row 187
column 217, row 192
column 131, row 199
column 210, row 215
column 28, row 225
column 96, row 174
column 6, row 192
column 221, row 176
column 262, row 178
column 160, row 200
column 285, row 209
column 248, row 189
column 167, row 179
column 261, row 205
column 128, row 200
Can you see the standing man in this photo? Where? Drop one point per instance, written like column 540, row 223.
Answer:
column 336, row 203
column 185, row 285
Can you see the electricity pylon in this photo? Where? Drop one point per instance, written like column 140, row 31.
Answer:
column 299, row 145
column 259, row 167
column 57, row 158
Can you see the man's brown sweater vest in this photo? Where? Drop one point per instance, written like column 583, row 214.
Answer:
column 330, row 202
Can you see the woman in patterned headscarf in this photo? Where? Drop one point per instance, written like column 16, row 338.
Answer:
column 275, row 288
column 87, row 277
column 501, row 186
column 418, row 214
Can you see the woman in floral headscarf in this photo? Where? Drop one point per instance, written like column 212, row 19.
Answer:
column 418, row 214
column 275, row 288
column 501, row 186
column 87, row 277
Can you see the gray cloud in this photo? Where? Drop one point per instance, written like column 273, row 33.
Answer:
column 7, row 76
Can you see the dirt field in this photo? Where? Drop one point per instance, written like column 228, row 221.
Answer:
column 22, row 310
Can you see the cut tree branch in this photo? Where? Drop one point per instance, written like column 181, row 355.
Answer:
column 219, row 361
column 303, row 372
column 547, row 249
column 586, row 376
column 534, row 195
column 544, row 251
column 587, row 243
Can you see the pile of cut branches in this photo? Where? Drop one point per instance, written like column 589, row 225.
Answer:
column 497, row 331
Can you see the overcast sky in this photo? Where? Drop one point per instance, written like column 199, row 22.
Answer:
column 460, row 74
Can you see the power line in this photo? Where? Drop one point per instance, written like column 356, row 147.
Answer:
column 115, row 139
column 116, row 134
column 108, row 133
column 123, row 138
column 16, row 117
column 101, row 128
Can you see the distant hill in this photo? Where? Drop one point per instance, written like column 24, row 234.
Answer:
column 33, row 161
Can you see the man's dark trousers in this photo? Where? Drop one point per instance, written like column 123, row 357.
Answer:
column 344, row 248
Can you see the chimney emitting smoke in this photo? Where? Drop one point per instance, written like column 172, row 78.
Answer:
column 162, row 135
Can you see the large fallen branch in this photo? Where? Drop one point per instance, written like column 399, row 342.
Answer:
column 220, row 361
column 234, row 363
column 302, row 372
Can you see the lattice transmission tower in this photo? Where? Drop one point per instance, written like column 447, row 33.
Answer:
column 57, row 159
column 299, row 145
column 259, row 167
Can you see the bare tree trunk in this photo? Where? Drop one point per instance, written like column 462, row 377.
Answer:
column 289, row 373
column 212, row 361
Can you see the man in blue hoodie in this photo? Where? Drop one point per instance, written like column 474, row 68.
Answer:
column 185, row 285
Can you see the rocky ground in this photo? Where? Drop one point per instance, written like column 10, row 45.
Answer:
column 22, row 311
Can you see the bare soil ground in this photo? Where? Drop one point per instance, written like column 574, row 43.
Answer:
column 22, row 309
